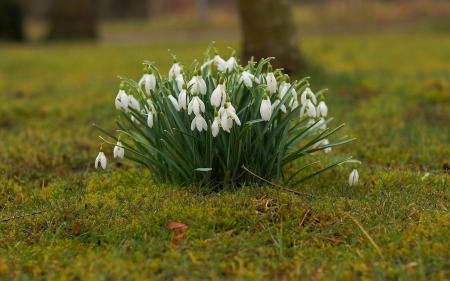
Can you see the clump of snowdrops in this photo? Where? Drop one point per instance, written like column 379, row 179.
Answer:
column 218, row 123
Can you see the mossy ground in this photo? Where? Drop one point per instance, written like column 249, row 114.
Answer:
column 392, row 91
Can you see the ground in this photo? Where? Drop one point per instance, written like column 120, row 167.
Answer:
column 391, row 89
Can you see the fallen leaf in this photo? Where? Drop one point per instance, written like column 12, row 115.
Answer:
column 177, row 227
column 177, row 238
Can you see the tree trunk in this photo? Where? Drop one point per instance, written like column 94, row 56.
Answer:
column 269, row 31
column 73, row 19
column 11, row 19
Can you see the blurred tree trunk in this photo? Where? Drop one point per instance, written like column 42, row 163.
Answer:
column 73, row 19
column 269, row 31
column 11, row 19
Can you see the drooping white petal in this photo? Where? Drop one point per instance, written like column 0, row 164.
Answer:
column 150, row 119
column 183, row 99
column 230, row 64
column 199, row 122
column 265, row 110
column 134, row 103
column 180, row 81
column 221, row 63
column 353, row 178
column 215, row 126
column 122, row 100
column 118, row 150
column 102, row 159
column 303, row 97
column 322, row 109
column 271, row 83
column 201, row 85
column 175, row 70
column 174, row 102
column 150, row 83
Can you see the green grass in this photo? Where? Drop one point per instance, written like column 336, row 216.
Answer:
column 392, row 91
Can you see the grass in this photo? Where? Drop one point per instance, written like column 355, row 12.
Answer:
column 391, row 90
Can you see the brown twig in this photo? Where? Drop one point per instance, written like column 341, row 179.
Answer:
column 276, row 185
column 22, row 216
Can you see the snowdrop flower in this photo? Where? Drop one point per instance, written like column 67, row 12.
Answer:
column 196, row 105
column 227, row 115
column 271, row 80
column 134, row 103
column 275, row 104
column 323, row 143
column 230, row 64
column 118, row 150
column 199, row 122
column 353, row 178
column 286, row 87
column 266, row 108
column 321, row 125
column 282, row 84
column 122, row 100
column 179, row 83
column 248, row 78
column 219, row 95
column 305, row 94
column 309, row 109
column 175, row 70
column 293, row 104
column 183, row 98
column 174, row 102
column 322, row 109
column 100, row 158
column 150, row 118
column 197, row 84
column 148, row 80
column 215, row 125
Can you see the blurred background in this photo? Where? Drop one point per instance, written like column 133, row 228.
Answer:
column 386, row 64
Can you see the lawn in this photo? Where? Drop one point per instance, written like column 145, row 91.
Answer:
column 391, row 90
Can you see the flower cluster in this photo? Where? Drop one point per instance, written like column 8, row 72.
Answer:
column 202, row 123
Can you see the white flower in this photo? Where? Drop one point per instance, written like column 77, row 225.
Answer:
column 118, row 150
column 227, row 114
column 134, row 103
column 175, row 70
column 183, row 98
column 229, row 65
column 304, row 96
column 323, row 143
column 266, row 108
column 150, row 118
column 275, row 104
column 284, row 90
column 293, row 104
column 353, row 178
column 199, row 122
column 271, row 82
column 282, row 84
column 122, row 100
column 219, row 95
column 197, row 84
column 215, row 126
column 196, row 105
column 220, row 62
column 174, row 102
column 102, row 159
column 180, row 83
column 322, row 109
column 247, row 77
column 322, row 126
column 309, row 109
column 149, row 81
